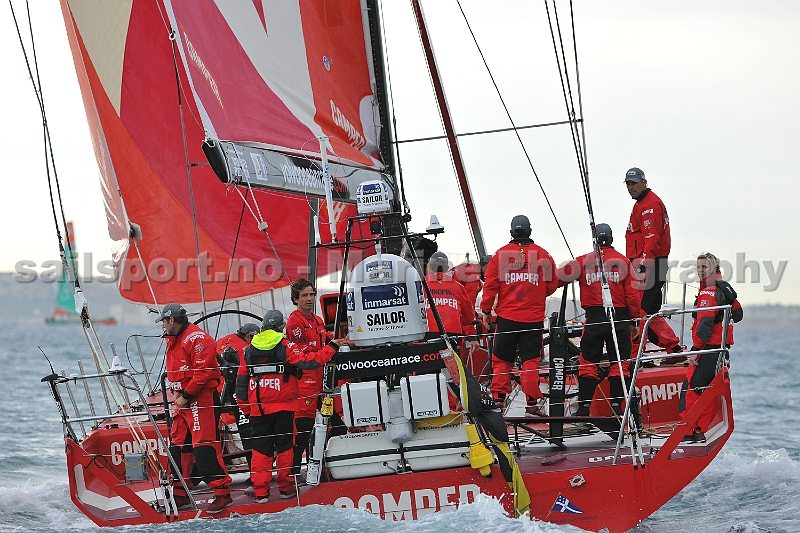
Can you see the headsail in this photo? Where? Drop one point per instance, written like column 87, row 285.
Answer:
column 266, row 77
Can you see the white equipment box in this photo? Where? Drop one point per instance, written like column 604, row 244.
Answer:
column 358, row 455
column 424, row 396
column 365, row 404
column 435, row 448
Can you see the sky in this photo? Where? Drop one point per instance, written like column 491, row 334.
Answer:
column 702, row 96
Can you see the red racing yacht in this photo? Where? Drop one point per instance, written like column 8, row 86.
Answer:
column 243, row 144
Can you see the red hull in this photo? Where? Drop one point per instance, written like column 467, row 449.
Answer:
column 610, row 496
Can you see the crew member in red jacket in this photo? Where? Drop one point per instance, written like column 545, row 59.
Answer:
column 520, row 276
column 647, row 245
column 707, row 335
column 471, row 276
column 452, row 303
column 239, row 340
column 268, row 379
column 306, row 330
column 597, row 329
column 230, row 351
column 194, row 376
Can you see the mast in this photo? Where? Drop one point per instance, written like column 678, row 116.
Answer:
column 386, row 143
column 447, row 122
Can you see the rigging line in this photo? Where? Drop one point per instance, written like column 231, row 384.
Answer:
column 146, row 274
column 389, row 90
column 564, row 90
column 515, row 129
column 568, row 101
column 48, row 145
column 188, row 171
column 483, row 132
column 580, row 97
column 70, row 257
column 571, row 107
column 228, row 277
column 264, row 230
column 36, row 83
column 164, row 21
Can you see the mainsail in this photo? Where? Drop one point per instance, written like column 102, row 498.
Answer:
column 264, row 80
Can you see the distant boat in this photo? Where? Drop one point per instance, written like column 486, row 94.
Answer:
column 64, row 311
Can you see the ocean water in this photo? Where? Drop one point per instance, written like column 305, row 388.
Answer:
column 753, row 486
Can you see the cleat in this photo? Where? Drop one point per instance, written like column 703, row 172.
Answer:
column 219, row 503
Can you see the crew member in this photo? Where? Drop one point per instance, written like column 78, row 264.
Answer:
column 597, row 329
column 268, row 380
column 520, row 276
column 194, row 376
column 238, row 341
column 230, row 350
column 707, row 335
column 306, row 330
column 471, row 276
column 452, row 302
column 647, row 245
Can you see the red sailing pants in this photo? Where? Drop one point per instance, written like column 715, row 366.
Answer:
column 196, row 426
column 513, row 337
column 659, row 328
column 272, row 436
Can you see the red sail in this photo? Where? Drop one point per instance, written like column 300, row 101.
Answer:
column 273, row 74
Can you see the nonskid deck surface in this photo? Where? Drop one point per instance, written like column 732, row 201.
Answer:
column 591, row 448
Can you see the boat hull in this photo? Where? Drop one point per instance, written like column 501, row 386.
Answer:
column 600, row 494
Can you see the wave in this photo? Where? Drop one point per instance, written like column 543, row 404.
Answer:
column 736, row 494
column 42, row 508
column 47, row 508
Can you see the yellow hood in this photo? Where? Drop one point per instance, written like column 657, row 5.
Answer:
column 267, row 339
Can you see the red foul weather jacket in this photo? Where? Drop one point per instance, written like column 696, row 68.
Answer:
column 309, row 334
column 452, row 303
column 234, row 341
column 521, row 275
column 648, row 229
column 192, row 361
column 268, row 377
column 707, row 326
column 622, row 283
column 468, row 275
column 239, row 344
